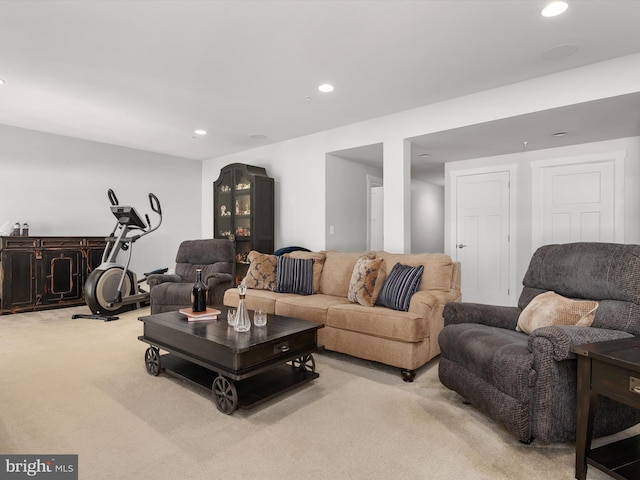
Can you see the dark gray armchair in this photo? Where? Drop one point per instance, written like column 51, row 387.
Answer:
column 216, row 257
column 527, row 383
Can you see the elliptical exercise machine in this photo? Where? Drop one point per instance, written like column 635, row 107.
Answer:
column 112, row 288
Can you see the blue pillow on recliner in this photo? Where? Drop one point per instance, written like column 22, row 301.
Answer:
column 399, row 287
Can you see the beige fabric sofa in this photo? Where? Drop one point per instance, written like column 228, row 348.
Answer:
column 406, row 340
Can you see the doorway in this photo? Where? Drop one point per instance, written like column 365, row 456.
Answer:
column 375, row 215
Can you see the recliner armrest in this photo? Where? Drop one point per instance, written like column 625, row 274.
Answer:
column 217, row 278
column 563, row 337
column 158, row 278
column 491, row 315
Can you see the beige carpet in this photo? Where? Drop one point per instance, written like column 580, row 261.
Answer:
column 80, row 387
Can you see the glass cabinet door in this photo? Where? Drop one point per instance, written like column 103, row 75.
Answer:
column 224, row 205
column 243, row 211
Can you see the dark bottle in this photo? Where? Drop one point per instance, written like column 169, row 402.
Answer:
column 199, row 294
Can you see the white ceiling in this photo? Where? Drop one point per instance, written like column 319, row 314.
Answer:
column 145, row 74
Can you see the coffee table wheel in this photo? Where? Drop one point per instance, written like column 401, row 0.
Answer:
column 152, row 361
column 306, row 363
column 225, row 395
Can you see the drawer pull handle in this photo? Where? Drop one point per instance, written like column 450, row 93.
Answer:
column 636, row 389
column 285, row 348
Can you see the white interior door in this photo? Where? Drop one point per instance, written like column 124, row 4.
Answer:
column 575, row 203
column 482, row 237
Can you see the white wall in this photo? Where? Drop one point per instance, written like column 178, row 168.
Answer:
column 299, row 165
column 346, row 203
column 523, row 190
column 59, row 186
column 427, row 217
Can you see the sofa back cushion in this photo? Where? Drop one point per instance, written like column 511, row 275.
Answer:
column 608, row 273
column 438, row 268
column 337, row 271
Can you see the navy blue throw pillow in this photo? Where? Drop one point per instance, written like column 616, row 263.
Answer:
column 399, row 287
column 294, row 275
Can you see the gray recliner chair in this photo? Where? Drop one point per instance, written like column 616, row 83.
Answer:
column 527, row 383
column 216, row 258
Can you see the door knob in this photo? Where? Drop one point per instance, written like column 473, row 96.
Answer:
column 461, row 245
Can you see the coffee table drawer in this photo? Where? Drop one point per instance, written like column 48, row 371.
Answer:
column 273, row 351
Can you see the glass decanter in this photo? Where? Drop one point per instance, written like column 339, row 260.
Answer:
column 243, row 322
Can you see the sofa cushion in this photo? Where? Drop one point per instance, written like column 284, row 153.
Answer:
column 400, row 285
column 318, row 264
column 336, row 274
column 378, row 321
column 255, row 299
column 261, row 273
column 308, row 307
column 364, row 286
column 438, row 268
column 294, row 275
column 549, row 308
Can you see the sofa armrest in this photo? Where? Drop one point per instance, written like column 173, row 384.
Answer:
column 490, row 315
column 158, row 278
column 563, row 337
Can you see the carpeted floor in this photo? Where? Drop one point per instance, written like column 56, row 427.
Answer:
column 80, row 387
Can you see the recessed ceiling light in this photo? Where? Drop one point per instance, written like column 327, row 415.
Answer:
column 326, row 88
column 425, row 155
column 554, row 8
column 560, row 134
column 1, row 81
column 200, row 132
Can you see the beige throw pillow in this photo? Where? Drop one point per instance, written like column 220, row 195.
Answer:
column 549, row 308
column 261, row 274
column 364, row 286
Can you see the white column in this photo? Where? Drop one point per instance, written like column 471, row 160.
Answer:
column 397, row 195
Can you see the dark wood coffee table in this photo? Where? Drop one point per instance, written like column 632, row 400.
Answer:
column 242, row 369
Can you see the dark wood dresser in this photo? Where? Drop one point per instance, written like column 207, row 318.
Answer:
column 45, row 272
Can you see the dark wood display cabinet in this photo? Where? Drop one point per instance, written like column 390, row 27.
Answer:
column 243, row 204
column 45, row 272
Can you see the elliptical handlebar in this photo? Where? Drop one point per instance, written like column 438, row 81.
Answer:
column 112, row 197
column 155, row 204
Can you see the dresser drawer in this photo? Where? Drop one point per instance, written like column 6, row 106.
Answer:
column 616, row 382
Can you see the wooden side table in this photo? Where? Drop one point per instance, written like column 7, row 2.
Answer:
column 610, row 369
